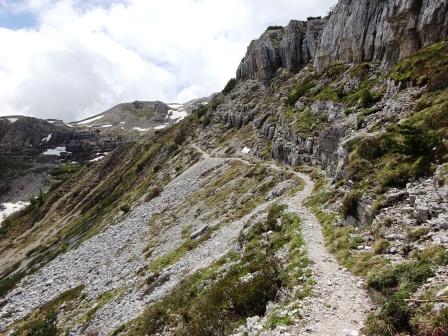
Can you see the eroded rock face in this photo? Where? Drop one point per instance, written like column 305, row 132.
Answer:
column 356, row 31
column 366, row 30
column 291, row 48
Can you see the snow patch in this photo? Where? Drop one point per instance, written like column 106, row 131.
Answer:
column 88, row 121
column 97, row 158
column 178, row 115
column 55, row 151
column 175, row 105
column 122, row 122
column 7, row 209
column 160, row 127
column 47, row 138
column 51, row 121
column 106, row 126
column 141, row 129
column 13, row 120
column 245, row 150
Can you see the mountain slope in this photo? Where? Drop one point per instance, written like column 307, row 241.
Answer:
column 194, row 231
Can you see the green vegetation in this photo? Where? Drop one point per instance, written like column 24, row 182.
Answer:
column 7, row 283
column 300, row 90
column 42, row 322
column 390, row 285
column 428, row 66
column 229, row 86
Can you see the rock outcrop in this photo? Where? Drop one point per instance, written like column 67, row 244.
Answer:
column 355, row 32
column 291, row 47
column 385, row 31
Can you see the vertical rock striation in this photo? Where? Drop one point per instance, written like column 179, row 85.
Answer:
column 291, row 47
column 355, row 31
column 379, row 30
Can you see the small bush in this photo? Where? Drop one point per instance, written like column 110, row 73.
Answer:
column 300, row 91
column 380, row 246
column 417, row 234
column 229, row 86
column 350, row 204
column 125, row 208
column 153, row 193
column 366, row 98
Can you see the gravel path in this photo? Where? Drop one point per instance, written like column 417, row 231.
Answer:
column 339, row 304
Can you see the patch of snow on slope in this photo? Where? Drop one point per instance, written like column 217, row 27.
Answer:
column 12, row 120
column 47, row 138
column 106, row 126
column 178, row 115
column 55, row 151
column 88, row 121
column 97, row 158
column 139, row 129
column 174, row 105
column 7, row 209
column 245, row 150
column 160, row 127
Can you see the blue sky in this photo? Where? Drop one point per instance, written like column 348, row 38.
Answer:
column 69, row 59
column 19, row 20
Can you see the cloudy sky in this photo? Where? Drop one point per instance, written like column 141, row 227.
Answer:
column 69, row 59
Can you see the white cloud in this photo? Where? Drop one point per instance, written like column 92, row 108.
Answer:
column 85, row 56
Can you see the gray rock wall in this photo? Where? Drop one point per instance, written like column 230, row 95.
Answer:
column 356, row 31
column 383, row 30
column 291, row 48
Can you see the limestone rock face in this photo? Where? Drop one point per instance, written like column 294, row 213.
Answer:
column 382, row 30
column 356, row 31
column 291, row 48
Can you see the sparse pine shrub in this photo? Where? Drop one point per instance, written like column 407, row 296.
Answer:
column 274, row 28
column 229, row 86
column 45, row 327
column 417, row 234
column 125, row 208
column 350, row 204
column 274, row 214
column 380, row 246
column 153, row 193
column 366, row 98
column 300, row 90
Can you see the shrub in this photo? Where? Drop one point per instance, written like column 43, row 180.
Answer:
column 274, row 28
column 274, row 215
column 300, row 91
column 153, row 193
column 229, row 86
column 380, row 246
column 44, row 327
column 366, row 98
column 350, row 204
column 417, row 234
column 125, row 208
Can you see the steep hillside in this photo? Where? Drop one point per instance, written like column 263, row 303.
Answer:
column 309, row 197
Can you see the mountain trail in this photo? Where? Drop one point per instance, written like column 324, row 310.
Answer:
column 339, row 304
column 112, row 259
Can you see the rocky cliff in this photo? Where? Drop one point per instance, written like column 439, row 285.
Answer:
column 291, row 48
column 354, row 32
